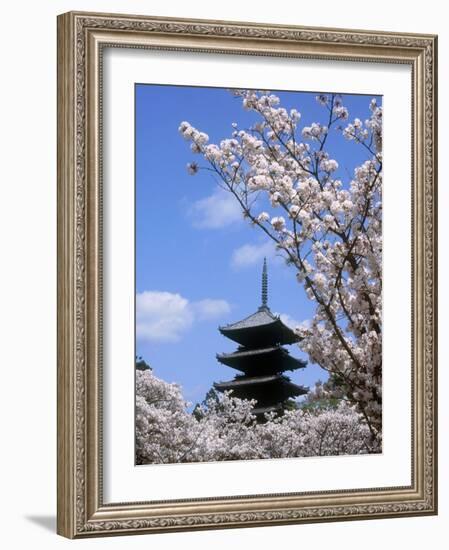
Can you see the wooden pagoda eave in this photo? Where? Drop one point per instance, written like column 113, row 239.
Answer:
column 263, row 321
column 277, row 379
column 249, row 381
column 271, row 408
column 243, row 360
column 279, row 333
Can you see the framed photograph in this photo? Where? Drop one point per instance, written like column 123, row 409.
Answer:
column 246, row 274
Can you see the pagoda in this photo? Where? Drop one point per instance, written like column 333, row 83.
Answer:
column 262, row 359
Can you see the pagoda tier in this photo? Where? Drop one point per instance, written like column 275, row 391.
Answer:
column 262, row 359
column 262, row 328
column 265, row 389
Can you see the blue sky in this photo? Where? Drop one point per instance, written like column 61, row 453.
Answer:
column 198, row 263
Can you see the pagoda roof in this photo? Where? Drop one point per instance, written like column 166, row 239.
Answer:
column 261, row 323
column 245, row 359
column 246, row 381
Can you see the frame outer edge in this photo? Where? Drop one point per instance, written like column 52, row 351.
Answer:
column 66, row 288
column 434, row 138
column 77, row 300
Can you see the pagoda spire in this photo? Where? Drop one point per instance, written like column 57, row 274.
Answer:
column 264, row 284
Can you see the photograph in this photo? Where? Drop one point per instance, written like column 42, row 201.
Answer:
column 258, row 274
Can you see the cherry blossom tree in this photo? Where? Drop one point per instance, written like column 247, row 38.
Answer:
column 225, row 428
column 165, row 433
column 328, row 230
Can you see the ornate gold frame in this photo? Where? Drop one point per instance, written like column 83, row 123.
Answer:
column 81, row 37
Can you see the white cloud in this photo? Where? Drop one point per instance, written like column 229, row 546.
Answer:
column 218, row 210
column 251, row 254
column 166, row 316
column 289, row 321
column 162, row 316
column 211, row 309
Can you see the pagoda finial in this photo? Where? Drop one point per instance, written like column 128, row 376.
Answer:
column 264, row 284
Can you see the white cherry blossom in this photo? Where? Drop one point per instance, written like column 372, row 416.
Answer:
column 224, row 428
column 328, row 228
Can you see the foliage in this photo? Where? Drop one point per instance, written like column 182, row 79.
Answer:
column 141, row 364
column 319, row 398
